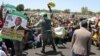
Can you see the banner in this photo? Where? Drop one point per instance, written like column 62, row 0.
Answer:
column 59, row 31
column 7, row 8
column 14, row 26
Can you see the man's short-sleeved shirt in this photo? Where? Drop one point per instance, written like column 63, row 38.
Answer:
column 2, row 53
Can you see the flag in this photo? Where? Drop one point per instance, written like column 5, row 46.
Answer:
column 59, row 31
column 14, row 24
column 7, row 8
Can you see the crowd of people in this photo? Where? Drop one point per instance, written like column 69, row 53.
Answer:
column 41, row 32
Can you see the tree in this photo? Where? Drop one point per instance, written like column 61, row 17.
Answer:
column 43, row 10
column 98, row 13
column 56, row 11
column 38, row 10
column 77, row 13
column 91, row 13
column 84, row 10
column 20, row 7
column 28, row 9
column 67, row 11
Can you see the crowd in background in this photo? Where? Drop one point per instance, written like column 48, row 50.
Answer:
column 33, row 37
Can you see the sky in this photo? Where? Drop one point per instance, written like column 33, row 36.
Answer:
column 73, row 5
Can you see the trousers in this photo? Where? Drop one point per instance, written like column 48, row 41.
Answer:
column 45, row 42
column 18, row 47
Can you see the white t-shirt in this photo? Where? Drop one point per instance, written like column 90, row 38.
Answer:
column 2, row 53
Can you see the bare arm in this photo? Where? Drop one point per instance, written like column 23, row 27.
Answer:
column 50, row 10
column 38, row 23
column 73, row 39
column 89, row 45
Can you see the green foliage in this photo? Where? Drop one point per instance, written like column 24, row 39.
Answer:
column 84, row 10
column 98, row 13
column 67, row 11
column 56, row 11
column 28, row 9
column 91, row 13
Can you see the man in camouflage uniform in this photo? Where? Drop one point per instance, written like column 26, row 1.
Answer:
column 46, row 30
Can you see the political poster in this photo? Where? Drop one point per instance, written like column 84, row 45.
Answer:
column 14, row 26
column 7, row 8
